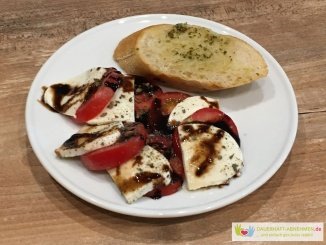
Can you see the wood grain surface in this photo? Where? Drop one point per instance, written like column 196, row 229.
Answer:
column 34, row 209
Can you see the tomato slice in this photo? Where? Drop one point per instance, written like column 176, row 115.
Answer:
column 217, row 118
column 94, row 105
column 156, row 121
column 209, row 115
column 165, row 190
column 161, row 108
column 172, row 188
column 142, row 103
column 161, row 143
column 114, row 155
column 130, row 143
column 145, row 92
column 133, row 129
column 169, row 100
column 177, row 166
column 176, row 144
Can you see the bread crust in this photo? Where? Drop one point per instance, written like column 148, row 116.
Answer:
column 131, row 55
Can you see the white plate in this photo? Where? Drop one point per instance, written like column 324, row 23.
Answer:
column 265, row 112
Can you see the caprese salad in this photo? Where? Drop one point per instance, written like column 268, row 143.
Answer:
column 149, row 141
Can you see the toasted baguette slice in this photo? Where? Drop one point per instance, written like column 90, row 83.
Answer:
column 190, row 57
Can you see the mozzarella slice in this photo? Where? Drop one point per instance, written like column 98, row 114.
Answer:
column 121, row 106
column 188, row 106
column 210, row 155
column 139, row 175
column 90, row 138
column 67, row 96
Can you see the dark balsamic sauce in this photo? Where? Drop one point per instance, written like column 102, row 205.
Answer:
column 138, row 180
column 143, row 118
column 127, row 84
column 192, row 132
column 117, row 171
column 77, row 140
column 159, row 122
column 42, row 101
column 112, row 78
column 173, row 124
column 146, row 177
column 156, row 192
column 208, row 146
column 138, row 161
column 212, row 104
column 203, row 158
column 60, row 91
column 80, row 139
column 165, row 168
column 92, row 88
column 225, row 127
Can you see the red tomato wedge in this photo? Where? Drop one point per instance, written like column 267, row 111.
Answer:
column 114, row 155
column 169, row 100
column 142, row 103
column 161, row 143
column 156, row 121
column 209, row 115
column 176, row 144
column 177, row 166
column 94, row 105
column 172, row 188
column 160, row 109
column 165, row 190
column 145, row 92
column 217, row 118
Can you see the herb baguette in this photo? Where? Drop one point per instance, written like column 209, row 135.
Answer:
column 190, row 57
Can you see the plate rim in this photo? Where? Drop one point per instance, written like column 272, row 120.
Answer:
column 138, row 212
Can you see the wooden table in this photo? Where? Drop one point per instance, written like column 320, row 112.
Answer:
column 34, row 209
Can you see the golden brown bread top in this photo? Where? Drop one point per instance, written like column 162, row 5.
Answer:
column 190, row 58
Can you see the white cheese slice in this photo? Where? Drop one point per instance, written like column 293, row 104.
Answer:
column 75, row 100
column 90, row 138
column 120, row 108
column 188, row 106
column 139, row 175
column 210, row 155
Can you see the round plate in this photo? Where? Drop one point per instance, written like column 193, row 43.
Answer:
column 265, row 112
